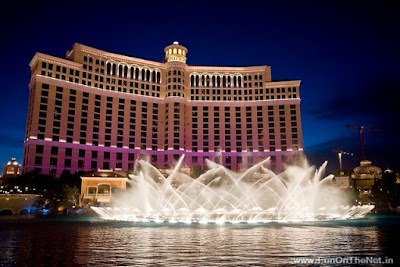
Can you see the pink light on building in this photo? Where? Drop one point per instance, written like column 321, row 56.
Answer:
column 97, row 109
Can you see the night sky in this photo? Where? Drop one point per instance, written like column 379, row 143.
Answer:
column 346, row 53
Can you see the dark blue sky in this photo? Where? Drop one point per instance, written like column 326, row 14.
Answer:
column 345, row 52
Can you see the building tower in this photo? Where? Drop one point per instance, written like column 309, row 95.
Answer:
column 175, row 60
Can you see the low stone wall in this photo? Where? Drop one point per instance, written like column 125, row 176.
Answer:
column 17, row 203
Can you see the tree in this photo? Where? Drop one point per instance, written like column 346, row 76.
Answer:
column 70, row 196
column 71, row 179
column 385, row 192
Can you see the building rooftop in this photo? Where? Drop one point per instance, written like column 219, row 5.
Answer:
column 367, row 171
column 105, row 174
column 13, row 161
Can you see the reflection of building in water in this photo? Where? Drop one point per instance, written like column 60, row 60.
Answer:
column 364, row 177
column 97, row 109
column 102, row 185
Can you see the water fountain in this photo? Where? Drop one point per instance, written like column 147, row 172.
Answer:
column 257, row 195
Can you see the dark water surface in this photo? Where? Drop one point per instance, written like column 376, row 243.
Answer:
column 74, row 241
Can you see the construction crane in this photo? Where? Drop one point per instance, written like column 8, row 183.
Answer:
column 361, row 130
column 340, row 153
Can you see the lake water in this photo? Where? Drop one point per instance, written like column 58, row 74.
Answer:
column 74, row 241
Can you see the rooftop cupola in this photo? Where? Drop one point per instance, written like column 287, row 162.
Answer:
column 175, row 53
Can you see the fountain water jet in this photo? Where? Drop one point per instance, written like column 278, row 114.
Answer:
column 221, row 195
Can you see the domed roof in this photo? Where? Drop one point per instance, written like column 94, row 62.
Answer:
column 12, row 162
column 367, row 171
column 175, row 53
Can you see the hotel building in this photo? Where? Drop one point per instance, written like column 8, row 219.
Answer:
column 97, row 109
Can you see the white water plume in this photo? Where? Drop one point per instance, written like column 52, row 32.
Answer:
column 256, row 195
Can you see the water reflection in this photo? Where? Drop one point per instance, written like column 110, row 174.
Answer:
column 119, row 243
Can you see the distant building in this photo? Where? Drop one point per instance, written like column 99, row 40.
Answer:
column 364, row 177
column 343, row 181
column 102, row 185
column 11, row 169
column 97, row 109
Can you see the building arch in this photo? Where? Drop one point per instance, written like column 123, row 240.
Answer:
column 6, row 211
column 148, row 75
column 126, row 74
column 24, row 211
column 137, row 73
column 191, row 80
column 104, row 189
column 239, row 81
column 114, row 69
column 131, row 72
column 158, row 77
column 120, row 70
column 143, row 74
column 108, row 68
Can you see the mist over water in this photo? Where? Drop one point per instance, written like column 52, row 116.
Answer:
column 256, row 195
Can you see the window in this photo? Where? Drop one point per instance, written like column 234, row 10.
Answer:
column 39, row 149
column 68, row 152
column 106, row 155
column 54, row 150
column 53, row 161
column 67, row 163
column 93, row 164
column 103, row 189
column 38, row 160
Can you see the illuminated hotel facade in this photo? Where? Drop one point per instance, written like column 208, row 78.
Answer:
column 97, row 109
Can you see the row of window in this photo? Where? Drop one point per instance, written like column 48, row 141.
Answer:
column 215, row 81
column 240, row 98
column 208, row 92
column 126, row 71
column 133, row 73
column 196, row 94
column 99, row 81
column 82, row 163
column 144, row 109
column 210, row 80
